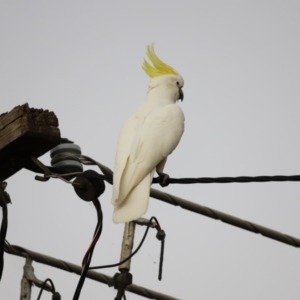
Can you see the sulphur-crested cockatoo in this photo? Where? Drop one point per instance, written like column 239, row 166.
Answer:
column 147, row 137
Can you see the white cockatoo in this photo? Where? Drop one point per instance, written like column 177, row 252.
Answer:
column 147, row 137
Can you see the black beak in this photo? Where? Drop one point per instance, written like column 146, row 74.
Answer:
column 181, row 96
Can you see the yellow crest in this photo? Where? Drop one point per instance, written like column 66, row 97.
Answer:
column 159, row 68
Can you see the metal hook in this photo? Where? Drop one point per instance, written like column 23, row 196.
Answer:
column 45, row 170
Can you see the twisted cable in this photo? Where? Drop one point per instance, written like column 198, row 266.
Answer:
column 228, row 219
column 211, row 213
column 239, row 179
column 72, row 268
column 86, row 160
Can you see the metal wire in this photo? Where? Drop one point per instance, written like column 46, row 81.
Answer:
column 134, row 252
column 88, row 256
column 66, row 266
column 3, row 231
column 217, row 215
column 161, row 258
column 86, row 160
column 43, row 287
column 240, row 179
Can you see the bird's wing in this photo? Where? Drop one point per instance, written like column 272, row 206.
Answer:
column 126, row 138
column 136, row 202
column 146, row 139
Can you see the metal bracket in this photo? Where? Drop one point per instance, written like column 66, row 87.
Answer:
column 120, row 281
column 29, row 279
column 30, row 276
column 145, row 222
column 45, row 170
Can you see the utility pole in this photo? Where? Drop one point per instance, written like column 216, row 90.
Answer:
column 28, row 279
column 26, row 133
column 127, row 246
column 25, row 282
column 121, row 280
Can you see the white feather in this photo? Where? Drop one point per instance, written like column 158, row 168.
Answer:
column 147, row 137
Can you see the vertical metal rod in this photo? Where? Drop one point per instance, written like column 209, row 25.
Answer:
column 25, row 283
column 127, row 246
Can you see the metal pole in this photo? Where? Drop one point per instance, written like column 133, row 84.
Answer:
column 30, row 279
column 124, row 278
column 127, row 246
column 25, row 283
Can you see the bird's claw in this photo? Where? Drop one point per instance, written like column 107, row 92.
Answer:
column 163, row 179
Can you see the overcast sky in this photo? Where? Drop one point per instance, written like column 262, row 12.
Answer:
column 240, row 62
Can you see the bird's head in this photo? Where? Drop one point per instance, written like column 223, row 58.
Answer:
column 163, row 75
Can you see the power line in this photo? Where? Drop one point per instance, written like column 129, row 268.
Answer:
column 160, row 236
column 72, row 268
column 228, row 219
column 4, row 200
column 88, row 256
column 176, row 201
column 56, row 295
column 108, row 173
column 240, row 179
column 215, row 214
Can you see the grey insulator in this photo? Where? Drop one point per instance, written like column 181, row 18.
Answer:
column 62, row 157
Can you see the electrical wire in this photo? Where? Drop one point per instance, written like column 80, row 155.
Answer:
column 240, row 179
column 161, row 236
column 161, row 260
column 86, row 160
column 217, row 215
column 43, row 287
column 206, row 211
column 4, row 199
column 226, row 218
column 72, row 268
column 88, row 256
column 3, row 231
column 133, row 253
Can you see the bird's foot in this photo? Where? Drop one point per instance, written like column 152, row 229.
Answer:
column 163, row 179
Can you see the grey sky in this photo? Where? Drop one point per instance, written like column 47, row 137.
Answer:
column 240, row 62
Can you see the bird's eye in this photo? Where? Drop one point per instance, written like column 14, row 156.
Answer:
column 177, row 82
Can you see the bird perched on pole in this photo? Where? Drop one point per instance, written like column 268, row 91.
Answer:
column 147, row 137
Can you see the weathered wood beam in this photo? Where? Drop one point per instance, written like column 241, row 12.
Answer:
column 24, row 133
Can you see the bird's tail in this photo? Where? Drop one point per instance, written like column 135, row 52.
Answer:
column 136, row 203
